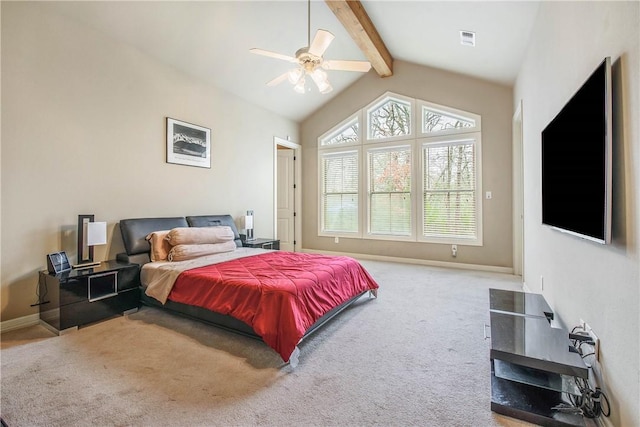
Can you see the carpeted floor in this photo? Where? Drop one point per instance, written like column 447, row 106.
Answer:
column 415, row 356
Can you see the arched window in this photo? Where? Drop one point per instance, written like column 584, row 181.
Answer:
column 407, row 179
column 389, row 117
column 346, row 133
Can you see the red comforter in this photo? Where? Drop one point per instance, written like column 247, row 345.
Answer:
column 279, row 294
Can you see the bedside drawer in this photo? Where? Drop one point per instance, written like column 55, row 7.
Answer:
column 84, row 312
column 71, row 290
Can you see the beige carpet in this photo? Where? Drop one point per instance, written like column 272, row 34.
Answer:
column 413, row 357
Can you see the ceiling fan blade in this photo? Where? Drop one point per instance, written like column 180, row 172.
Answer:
column 321, row 42
column 278, row 80
column 273, row 54
column 361, row 66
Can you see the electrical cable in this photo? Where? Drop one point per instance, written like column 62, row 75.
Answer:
column 42, row 284
column 589, row 402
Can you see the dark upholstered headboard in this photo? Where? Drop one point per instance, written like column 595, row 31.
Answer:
column 134, row 232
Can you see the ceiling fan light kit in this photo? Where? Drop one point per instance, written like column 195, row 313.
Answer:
column 310, row 62
column 299, row 86
column 319, row 77
column 294, row 75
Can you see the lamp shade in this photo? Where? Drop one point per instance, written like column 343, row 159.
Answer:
column 248, row 222
column 96, row 233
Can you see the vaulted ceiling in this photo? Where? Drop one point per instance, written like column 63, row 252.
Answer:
column 211, row 40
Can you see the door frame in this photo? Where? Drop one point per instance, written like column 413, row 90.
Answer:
column 518, row 191
column 297, row 192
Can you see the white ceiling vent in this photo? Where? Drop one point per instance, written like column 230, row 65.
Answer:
column 467, row 38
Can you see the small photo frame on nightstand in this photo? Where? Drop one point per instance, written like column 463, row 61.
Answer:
column 58, row 262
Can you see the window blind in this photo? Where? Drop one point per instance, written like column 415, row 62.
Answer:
column 449, row 185
column 390, row 191
column 340, row 192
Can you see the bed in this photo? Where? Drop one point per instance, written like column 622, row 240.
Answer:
column 275, row 296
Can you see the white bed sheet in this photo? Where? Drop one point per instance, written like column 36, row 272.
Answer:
column 157, row 278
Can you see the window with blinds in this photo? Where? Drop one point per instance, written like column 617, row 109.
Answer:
column 339, row 200
column 449, row 190
column 402, row 169
column 389, row 191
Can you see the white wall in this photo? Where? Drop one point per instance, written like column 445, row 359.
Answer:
column 84, row 133
column 585, row 280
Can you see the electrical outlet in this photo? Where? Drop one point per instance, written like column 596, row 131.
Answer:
column 454, row 250
column 488, row 195
column 594, row 338
column 336, row 239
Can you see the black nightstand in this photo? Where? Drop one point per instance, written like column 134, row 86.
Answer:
column 77, row 297
column 262, row 243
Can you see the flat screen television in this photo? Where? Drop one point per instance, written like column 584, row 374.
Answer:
column 576, row 161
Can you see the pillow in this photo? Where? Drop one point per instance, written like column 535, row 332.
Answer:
column 160, row 246
column 200, row 235
column 185, row 252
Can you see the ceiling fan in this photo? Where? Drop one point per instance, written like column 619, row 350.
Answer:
column 310, row 61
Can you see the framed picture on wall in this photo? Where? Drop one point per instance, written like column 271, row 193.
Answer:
column 188, row 144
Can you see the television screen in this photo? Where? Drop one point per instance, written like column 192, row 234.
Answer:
column 576, row 161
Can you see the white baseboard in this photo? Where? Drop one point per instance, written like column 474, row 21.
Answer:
column 20, row 322
column 491, row 268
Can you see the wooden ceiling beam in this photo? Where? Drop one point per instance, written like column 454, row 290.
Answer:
column 355, row 20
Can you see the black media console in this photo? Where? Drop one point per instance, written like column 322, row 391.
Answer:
column 533, row 364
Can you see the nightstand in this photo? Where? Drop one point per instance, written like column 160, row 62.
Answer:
column 262, row 243
column 78, row 297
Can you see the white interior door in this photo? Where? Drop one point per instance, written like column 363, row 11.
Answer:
column 286, row 199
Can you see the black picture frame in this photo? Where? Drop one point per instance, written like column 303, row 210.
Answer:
column 188, row 144
column 57, row 262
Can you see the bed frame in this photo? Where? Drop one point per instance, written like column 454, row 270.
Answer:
column 134, row 232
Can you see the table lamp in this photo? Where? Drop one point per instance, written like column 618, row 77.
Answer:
column 248, row 226
column 90, row 234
